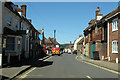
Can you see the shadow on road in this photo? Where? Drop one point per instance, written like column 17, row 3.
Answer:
column 42, row 63
column 31, row 62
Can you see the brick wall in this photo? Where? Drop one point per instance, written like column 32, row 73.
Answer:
column 93, row 35
column 99, row 34
column 112, row 36
column 102, row 48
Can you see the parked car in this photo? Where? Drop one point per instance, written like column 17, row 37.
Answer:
column 75, row 52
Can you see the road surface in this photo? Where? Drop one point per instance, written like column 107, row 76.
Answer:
column 67, row 66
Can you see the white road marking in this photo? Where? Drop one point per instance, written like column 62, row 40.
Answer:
column 89, row 77
column 25, row 75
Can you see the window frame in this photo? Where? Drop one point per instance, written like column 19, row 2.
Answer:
column 114, row 25
column 115, row 46
column 14, row 45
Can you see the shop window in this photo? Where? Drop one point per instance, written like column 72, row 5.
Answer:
column 10, row 44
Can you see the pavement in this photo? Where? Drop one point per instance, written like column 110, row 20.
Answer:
column 17, row 69
column 67, row 67
column 106, row 64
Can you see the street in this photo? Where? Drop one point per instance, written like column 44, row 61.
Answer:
column 67, row 66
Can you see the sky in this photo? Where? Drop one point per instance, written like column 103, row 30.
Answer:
column 68, row 18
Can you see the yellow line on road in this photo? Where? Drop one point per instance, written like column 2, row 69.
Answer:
column 99, row 67
column 47, row 59
column 25, row 75
column 89, row 77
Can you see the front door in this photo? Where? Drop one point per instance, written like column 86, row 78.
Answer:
column 92, row 48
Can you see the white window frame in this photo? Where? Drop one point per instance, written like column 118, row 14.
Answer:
column 115, row 24
column 115, row 46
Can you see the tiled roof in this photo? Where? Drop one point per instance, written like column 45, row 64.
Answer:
column 52, row 40
column 92, row 22
column 111, row 13
column 47, row 41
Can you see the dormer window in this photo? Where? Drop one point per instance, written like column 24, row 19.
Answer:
column 20, row 13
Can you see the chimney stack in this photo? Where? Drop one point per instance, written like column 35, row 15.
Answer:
column 16, row 7
column 80, row 36
column 70, row 42
column 23, row 7
column 98, row 14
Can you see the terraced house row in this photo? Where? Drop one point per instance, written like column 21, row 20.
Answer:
column 20, row 39
column 103, row 35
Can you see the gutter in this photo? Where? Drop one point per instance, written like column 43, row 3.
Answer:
column 112, row 16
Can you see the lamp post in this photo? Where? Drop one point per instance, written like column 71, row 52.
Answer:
column 54, row 37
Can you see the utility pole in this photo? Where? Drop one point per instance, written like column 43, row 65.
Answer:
column 54, row 37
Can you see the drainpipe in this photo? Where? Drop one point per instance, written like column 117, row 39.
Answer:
column 8, row 58
column 108, row 41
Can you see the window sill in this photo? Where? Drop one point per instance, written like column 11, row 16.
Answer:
column 114, row 30
column 11, row 51
column 114, row 52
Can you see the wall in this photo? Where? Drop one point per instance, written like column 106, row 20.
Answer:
column 25, row 39
column 7, row 12
column 102, row 48
column 112, row 36
column 119, row 37
column 87, row 49
column 1, row 33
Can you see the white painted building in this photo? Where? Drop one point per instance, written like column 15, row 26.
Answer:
column 76, row 41
column 12, row 40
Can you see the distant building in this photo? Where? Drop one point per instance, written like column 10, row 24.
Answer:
column 77, row 41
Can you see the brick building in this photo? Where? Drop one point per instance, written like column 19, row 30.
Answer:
column 103, row 35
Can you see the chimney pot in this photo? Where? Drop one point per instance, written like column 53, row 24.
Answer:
column 80, row 36
column 16, row 7
column 98, row 8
